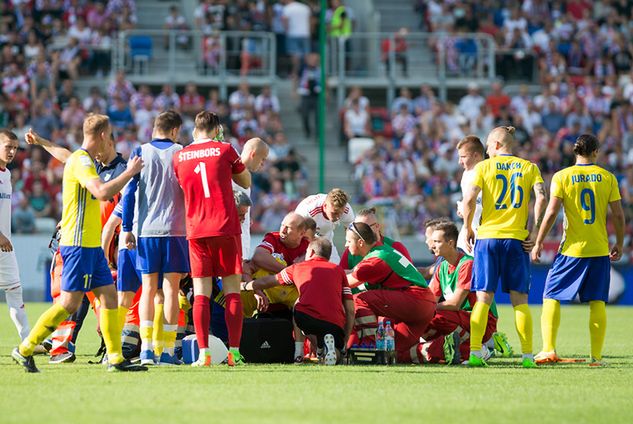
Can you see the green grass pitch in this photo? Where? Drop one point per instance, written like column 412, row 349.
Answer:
column 84, row 393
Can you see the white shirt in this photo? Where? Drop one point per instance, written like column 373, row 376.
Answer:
column 312, row 206
column 5, row 203
column 357, row 121
column 9, row 273
column 470, row 106
column 298, row 17
column 246, row 226
column 466, row 184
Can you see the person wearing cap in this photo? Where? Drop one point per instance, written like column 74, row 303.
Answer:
column 395, row 291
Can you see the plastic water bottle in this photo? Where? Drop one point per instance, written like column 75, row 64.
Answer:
column 380, row 337
column 390, row 342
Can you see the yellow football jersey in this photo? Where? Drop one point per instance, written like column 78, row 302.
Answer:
column 81, row 219
column 506, row 183
column 586, row 191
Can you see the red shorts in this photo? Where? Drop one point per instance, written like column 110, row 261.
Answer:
column 219, row 256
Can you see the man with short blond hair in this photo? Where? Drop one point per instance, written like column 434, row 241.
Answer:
column 85, row 266
column 328, row 210
column 471, row 151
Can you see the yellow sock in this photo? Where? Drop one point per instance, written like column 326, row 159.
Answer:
column 550, row 321
column 523, row 324
column 122, row 315
column 158, row 329
column 169, row 338
column 597, row 327
column 146, row 329
column 111, row 334
column 478, row 323
column 45, row 325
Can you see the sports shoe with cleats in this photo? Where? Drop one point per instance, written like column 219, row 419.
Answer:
column 202, row 361
column 528, row 363
column 63, row 358
column 330, row 350
column 451, row 348
column 126, row 366
column 476, row 361
column 543, row 358
column 235, row 358
column 597, row 363
column 147, row 357
column 27, row 362
column 502, row 345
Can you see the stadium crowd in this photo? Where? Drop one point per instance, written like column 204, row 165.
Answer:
column 48, row 45
column 586, row 85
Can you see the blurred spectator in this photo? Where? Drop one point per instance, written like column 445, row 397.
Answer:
column 23, row 218
column 176, row 23
column 240, row 101
column 266, row 101
column 356, row 122
column 397, row 48
column 121, row 88
column 40, row 200
column 120, row 115
column 167, row 99
column 95, row 102
column 296, row 20
column 191, row 101
column 309, row 88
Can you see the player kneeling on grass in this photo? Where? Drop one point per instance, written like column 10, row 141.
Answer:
column 325, row 308
column 395, row 290
column 586, row 192
column 447, row 337
column 85, row 267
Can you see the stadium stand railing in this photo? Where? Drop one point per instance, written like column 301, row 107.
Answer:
column 180, row 56
column 442, row 60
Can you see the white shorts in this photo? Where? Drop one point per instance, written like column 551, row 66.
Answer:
column 9, row 273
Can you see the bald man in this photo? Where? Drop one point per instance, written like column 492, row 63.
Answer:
column 278, row 250
column 253, row 155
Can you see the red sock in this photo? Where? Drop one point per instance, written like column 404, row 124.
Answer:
column 201, row 320
column 233, row 317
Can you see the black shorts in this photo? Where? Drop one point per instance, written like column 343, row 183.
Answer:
column 319, row 328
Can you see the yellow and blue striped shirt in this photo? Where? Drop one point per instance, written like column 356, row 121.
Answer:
column 81, row 218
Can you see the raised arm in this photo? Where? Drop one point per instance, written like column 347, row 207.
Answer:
column 60, row 153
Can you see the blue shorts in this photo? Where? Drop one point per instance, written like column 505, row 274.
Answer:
column 128, row 276
column 162, row 255
column 587, row 277
column 500, row 261
column 297, row 46
column 84, row 269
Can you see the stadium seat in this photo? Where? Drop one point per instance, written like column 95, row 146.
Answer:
column 140, row 52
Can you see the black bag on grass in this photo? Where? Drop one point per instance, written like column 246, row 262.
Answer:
column 267, row 339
